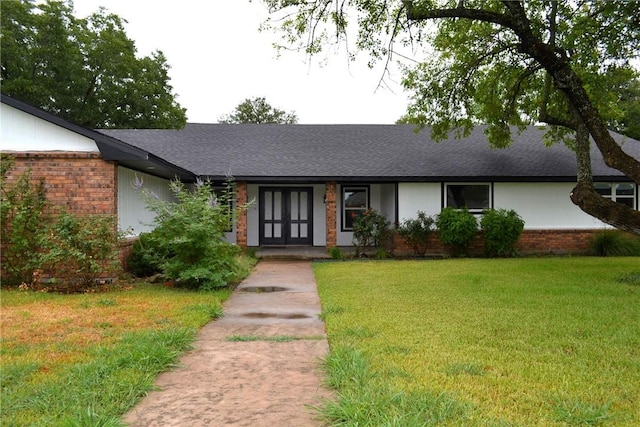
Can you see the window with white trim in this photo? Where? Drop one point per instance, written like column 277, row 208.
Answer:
column 619, row 192
column 355, row 201
column 475, row 197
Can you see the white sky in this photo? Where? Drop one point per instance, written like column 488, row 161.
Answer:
column 218, row 58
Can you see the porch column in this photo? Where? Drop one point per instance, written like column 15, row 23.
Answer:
column 331, row 213
column 241, row 226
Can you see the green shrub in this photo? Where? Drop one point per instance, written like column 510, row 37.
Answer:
column 145, row 258
column 456, row 228
column 372, row 230
column 22, row 208
column 74, row 249
column 501, row 229
column 614, row 243
column 335, row 252
column 416, row 232
column 189, row 238
column 80, row 249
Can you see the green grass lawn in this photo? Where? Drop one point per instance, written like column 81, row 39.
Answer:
column 483, row 342
column 83, row 360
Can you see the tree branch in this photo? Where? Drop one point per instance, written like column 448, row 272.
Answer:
column 415, row 13
column 557, row 121
column 556, row 64
column 515, row 89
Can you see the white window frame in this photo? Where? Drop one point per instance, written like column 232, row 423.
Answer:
column 612, row 192
column 474, row 210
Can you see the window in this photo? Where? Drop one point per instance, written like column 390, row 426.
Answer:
column 475, row 197
column 623, row 192
column 224, row 195
column 355, row 201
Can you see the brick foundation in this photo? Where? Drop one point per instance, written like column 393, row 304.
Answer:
column 555, row 241
column 532, row 242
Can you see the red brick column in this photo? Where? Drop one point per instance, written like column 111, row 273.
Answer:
column 331, row 214
column 241, row 226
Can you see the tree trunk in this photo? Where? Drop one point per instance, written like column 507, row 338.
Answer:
column 566, row 80
column 588, row 199
column 612, row 213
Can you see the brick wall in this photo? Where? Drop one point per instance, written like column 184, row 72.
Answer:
column 82, row 183
column 241, row 226
column 126, row 246
column 331, row 210
column 554, row 241
column 532, row 242
column 79, row 182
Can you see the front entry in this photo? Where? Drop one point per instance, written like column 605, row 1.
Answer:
column 286, row 216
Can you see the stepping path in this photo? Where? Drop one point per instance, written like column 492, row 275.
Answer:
column 253, row 383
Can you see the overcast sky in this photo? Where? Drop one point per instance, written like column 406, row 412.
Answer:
column 218, row 58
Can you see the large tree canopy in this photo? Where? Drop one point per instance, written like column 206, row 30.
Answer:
column 83, row 70
column 258, row 110
column 629, row 124
column 503, row 63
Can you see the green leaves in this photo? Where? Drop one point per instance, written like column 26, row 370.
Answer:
column 416, row 231
column 188, row 244
column 23, row 212
column 258, row 110
column 80, row 249
column 501, row 229
column 371, row 229
column 84, row 70
column 457, row 228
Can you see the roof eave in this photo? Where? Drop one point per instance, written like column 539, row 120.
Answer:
column 395, row 179
column 111, row 149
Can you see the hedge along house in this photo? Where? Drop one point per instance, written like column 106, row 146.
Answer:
column 308, row 182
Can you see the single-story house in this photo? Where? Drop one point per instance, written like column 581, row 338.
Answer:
column 307, row 182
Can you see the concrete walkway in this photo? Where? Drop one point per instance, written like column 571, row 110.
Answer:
column 253, row 383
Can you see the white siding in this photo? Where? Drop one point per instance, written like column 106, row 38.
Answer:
column 20, row 131
column 418, row 196
column 253, row 215
column 381, row 198
column 319, row 216
column 543, row 205
column 388, row 201
column 133, row 215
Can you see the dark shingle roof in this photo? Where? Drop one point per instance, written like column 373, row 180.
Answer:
column 357, row 152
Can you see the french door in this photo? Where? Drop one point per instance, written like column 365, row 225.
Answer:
column 286, row 216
